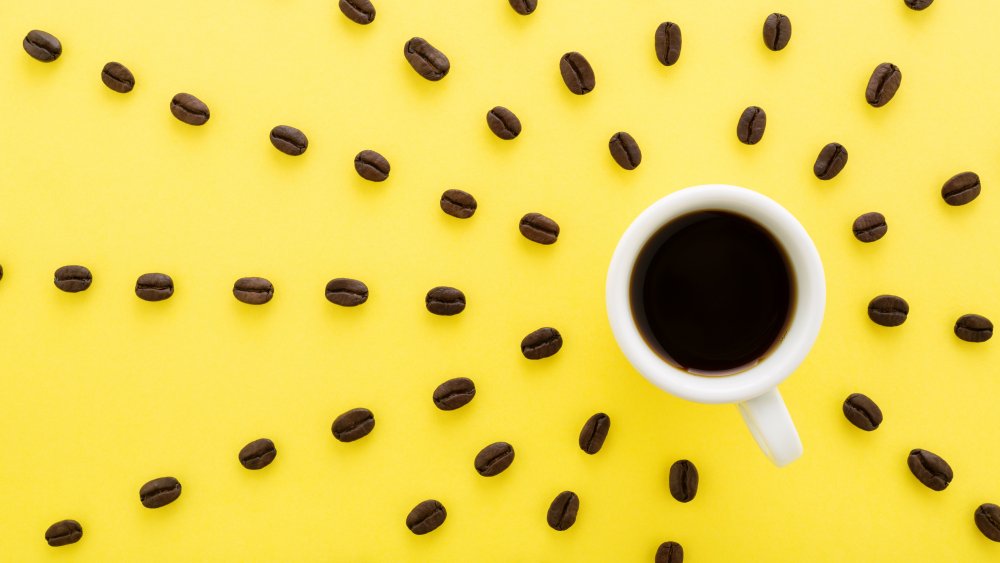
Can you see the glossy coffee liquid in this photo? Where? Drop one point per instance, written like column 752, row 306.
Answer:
column 711, row 292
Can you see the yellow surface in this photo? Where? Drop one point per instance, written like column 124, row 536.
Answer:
column 102, row 391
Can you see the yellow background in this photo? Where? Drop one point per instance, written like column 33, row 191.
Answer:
column 102, row 392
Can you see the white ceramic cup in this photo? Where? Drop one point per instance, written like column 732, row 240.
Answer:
column 754, row 390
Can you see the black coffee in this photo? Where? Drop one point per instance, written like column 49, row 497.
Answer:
column 711, row 292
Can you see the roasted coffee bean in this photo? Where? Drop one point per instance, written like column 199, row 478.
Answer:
column 562, row 511
column 917, row 4
column 577, row 73
column 988, row 520
column 625, row 150
column 189, row 109
column 667, row 41
column 777, row 31
column 831, row 160
column 541, row 343
column 346, row 292
column 358, row 11
column 42, row 46
column 750, row 128
column 371, row 166
column 494, row 459
column 429, row 62
column 257, row 454
column 961, row 188
column 253, row 291
column 523, row 7
column 862, row 412
column 72, row 279
column 445, row 301
column 118, row 78
column 870, row 227
column 503, row 123
column 426, row 517
column 154, row 287
column 669, row 552
column 683, row 480
column 539, row 228
column 65, row 532
column 289, row 140
column 594, row 432
column 160, row 492
column 883, row 84
column 888, row 310
column 930, row 469
column 454, row 393
column 1, row 272
column 353, row 425
column 973, row 328
column 458, row 204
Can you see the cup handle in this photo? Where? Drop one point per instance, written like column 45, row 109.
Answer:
column 772, row 427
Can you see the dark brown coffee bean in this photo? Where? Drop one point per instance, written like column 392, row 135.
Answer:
column 523, row 7
column 118, row 78
column 257, row 454
column 289, row 140
column 669, row 552
column 988, row 520
column 353, row 425
column 42, row 46
column 577, row 73
column 930, row 469
column 862, row 412
column 494, row 459
column 154, row 287
column 562, row 511
column 64, row 532
column 445, row 301
column 594, row 432
column 750, row 128
column 253, row 291
column 831, row 160
column 358, row 11
column 539, row 228
column 973, row 328
column 961, row 188
column 625, row 150
column 371, row 166
column 888, row 310
column 159, row 492
column 918, row 4
column 426, row 517
column 870, row 227
column 1, row 272
column 73, row 279
column 189, row 109
column 458, row 204
column 683, row 480
column 346, row 292
column 503, row 123
column 667, row 41
column 454, row 393
column 777, row 31
column 429, row 62
column 541, row 343
column 883, row 84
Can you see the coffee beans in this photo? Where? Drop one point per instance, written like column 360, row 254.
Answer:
column 683, row 480
column 539, row 228
column 523, row 7
column 930, row 469
column 562, row 511
column 454, row 393
column 494, row 459
column 42, row 46
column 64, row 532
column 358, row 11
column 831, row 160
column 257, row 454
column 625, row 150
column 458, row 204
column 503, row 123
column 961, row 188
column 73, row 279
column 117, row 77
column 189, row 109
column 371, row 166
column 159, row 492
column 750, row 128
column 862, row 412
column 253, row 291
column 577, row 73
column 918, row 4
column 445, row 301
column 973, row 328
column 154, row 287
column 289, row 140
column 353, row 425
column 669, row 552
column 667, row 42
column 988, row 520
column 883, row 84
column 870, row 227
column 594, row 432
column 542, row 343
column 429, row 62
column 346, row 292
column 777, row 31
column 888, row 310
column 426, row 517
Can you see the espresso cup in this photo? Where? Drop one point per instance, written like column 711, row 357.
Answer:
column 754, row 388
